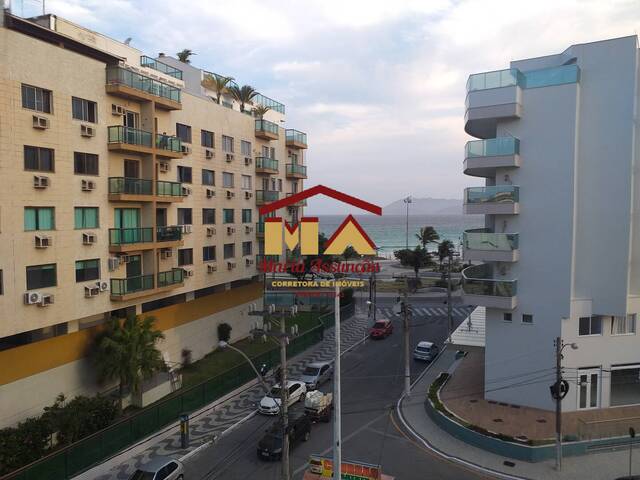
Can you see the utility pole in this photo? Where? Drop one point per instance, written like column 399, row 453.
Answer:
column 337, row 406
column 375, row 289
column 284, row 398
column 449, row 314
column 407, row 352
column 558, row 404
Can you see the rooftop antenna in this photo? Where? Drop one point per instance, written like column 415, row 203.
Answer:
column 128, row 41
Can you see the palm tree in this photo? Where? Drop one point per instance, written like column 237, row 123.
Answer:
column 243, row 94
column 126, row 351
column 445, row 249
column 260, row 111
column 217, row 83
column 184, row 55
column 427, row 235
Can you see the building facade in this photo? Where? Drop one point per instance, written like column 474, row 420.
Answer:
column 126, row 189
column 559, row 255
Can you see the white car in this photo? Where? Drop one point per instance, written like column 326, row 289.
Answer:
column 270, row 404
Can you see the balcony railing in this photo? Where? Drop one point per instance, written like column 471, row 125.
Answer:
column 169, row 189
column 296, row 136
column 269, row 102
column 296, row 169
column 266, row 163
column 121, row 76
column 263, row 125
column 544, row 77
column 149, row 62
column 130, row 186
column 485, row 239
column 496, row 79
column 126, row 236
column 492, row 147
column 299, row 203
column 260, row 228
column 263, row 196
column 478, row 280
column 492, row 194
column 169, row 143
column 168, row 234
column 171, row 277
column 128, row 135
column 125, row 286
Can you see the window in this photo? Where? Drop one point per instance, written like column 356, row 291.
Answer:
column 273, row 184
column 590, row 326
column 86, row 217
column 227, row 180
column 185, row 256
column 246, row 215
column 85, row 163
column 507, row 317
column 527, row 318
column 246, row 182
column 625, row 385
column 209, row 253
column 206, row 138
column 227, row 215
column 623, row 325
column 293, row 158
column 208, row 216
column 245, row 148
column 37, row 158
column 1, row 284
column 227, row 144
column 36, row 98
column 208, row 177
column 39, row 218
column 247, row 248
column 184, row 175
column 229, row 250
column 184, row 216
column 41, row 276
column 183, row 132
column 279, row 184
column 84, row 110
column 87, row 270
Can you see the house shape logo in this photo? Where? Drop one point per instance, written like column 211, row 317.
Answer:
column 305, row 233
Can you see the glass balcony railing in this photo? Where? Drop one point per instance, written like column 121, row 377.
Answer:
column 169, row 189
column 130, row 186
column 500, row 78
column 125, row 286
column 149, row 62
column 266, row 126
column 544, row 77
column 231, row 83
column 478, row 280
column 168, row 234
column 269, row 102
column 121, row 76
column 131, row 136
column 492, row 147
column 168, row 142
column 493, row 194
column 485, row 239
column 263, row 196
column 260, row 228
column 267, row 163
column 171, row 277
column 296, row 169
column 296, row 136
column 126, row 236
column 299, row 203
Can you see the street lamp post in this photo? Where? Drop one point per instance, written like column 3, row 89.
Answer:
column 558, row 395
column 407, row 201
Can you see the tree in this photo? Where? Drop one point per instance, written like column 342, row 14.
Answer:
column 184, row 55
column 224, row 332
column 418, row 258
column 260, row 111
column 445, row 249
column 427, row 235
column 350, row 253
column 126, row 351
column 217, row 83
column 243, row 94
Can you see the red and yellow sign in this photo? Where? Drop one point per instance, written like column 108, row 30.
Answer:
column 348, row 470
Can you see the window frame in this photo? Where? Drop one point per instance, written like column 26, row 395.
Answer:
column 96, row 268
column 42, row 91
column 97, row 209
column 208, row 248
column 83, row 158
column 233, row 251
column 205, row 135
column 224, row 216
column 529, row 315
column 250, row 252
column 213, row 177
column 37, row 219
column 244, row 151
column 244, row 211
column 505, row 315
column 226, row 139
column 38, row 151
column 591, row 322
column 187, row 137
column 242, row 182
column 626, row 324
column 225, row 176
column 184, row 169
column 32, row 267
column 181, row 212
column 208, row 211
column 182, row 253
column 86, row 111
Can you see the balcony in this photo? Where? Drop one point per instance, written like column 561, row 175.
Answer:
column 482, row 244
column 266, row 130
column 299, row 203
column 167, row 237
column 295, row 170
column 168, row 146
column 130, row 239
column 171, row 279
column 482, row 157
column 123, row 189
column 266, row 165
column 260, row 229
column 266, row 196
column 129, row 140
column 295, row 139
column 269, row 102
column 133, row 86
column 154, row 64
column 480, row 287
column 168, row 191
column 123, row 289
column 493, row 200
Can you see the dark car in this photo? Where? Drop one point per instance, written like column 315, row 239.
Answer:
column 381, row 329
column 270, row 446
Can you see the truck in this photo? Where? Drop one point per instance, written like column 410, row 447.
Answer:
column 318, row 406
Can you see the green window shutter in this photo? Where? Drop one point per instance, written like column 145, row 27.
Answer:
column 46, row 219
column 30, row 219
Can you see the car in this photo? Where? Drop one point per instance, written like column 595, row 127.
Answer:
column 381, row 329
column 160, row 468
column 316, row 373
column 270, row 446
column 425, row 351
column 270, row 403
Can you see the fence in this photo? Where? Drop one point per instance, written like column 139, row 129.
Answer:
column 609, row 428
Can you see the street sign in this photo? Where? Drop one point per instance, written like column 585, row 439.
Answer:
column 348, row 470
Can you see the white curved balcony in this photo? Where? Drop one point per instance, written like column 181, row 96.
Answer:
column 481, row 287
column 482, row 157
column 492, row 200
column 481, row 244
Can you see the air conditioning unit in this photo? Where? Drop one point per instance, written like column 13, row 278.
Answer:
column 91, row 291
column 102, row 285
column 46, row 301
column 229, row 157
column 248, row 195
column 186, row 191
column 231, row 265
column 248, row 160
column 230, row 194
column 209, row 154
column 211, row 193
column 117, row 109
column 212, row 268
column 163, row 167
column 186, row 149
column 186, row 228
column 248, row 229
column 231, row 230
column 43, row 241
column 249, row 262
column 113, row 263
column 89, row 238
column 32, row 298
column 88, row 185
column 40, row 181
column 211, row 231
column 166, row 253
column 41, row 123
column 123, row 258
column 188, row 272
column 87, row 131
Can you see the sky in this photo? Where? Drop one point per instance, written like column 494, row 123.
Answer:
column 378, row 85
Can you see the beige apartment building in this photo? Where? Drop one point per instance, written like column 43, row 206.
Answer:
column 124, row 188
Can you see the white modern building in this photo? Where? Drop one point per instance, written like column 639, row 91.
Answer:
column 560, row 253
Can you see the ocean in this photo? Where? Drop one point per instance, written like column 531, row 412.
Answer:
column 388, row 232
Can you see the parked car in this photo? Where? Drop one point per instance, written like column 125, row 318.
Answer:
column 270, row 446
column 381, row 329
column 316, row 373
column 270, row 403
column 425, row 351
column 160, row 468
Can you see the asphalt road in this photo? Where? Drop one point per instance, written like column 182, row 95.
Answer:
column 372, row 381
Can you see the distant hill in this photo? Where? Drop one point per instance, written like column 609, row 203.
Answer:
column 425, row 206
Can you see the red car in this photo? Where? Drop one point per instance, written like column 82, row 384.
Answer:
column 381, row 329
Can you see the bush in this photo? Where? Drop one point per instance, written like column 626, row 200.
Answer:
column 23, row 444
column 224, row 332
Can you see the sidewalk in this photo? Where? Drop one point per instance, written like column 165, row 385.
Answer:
column 596, row 466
